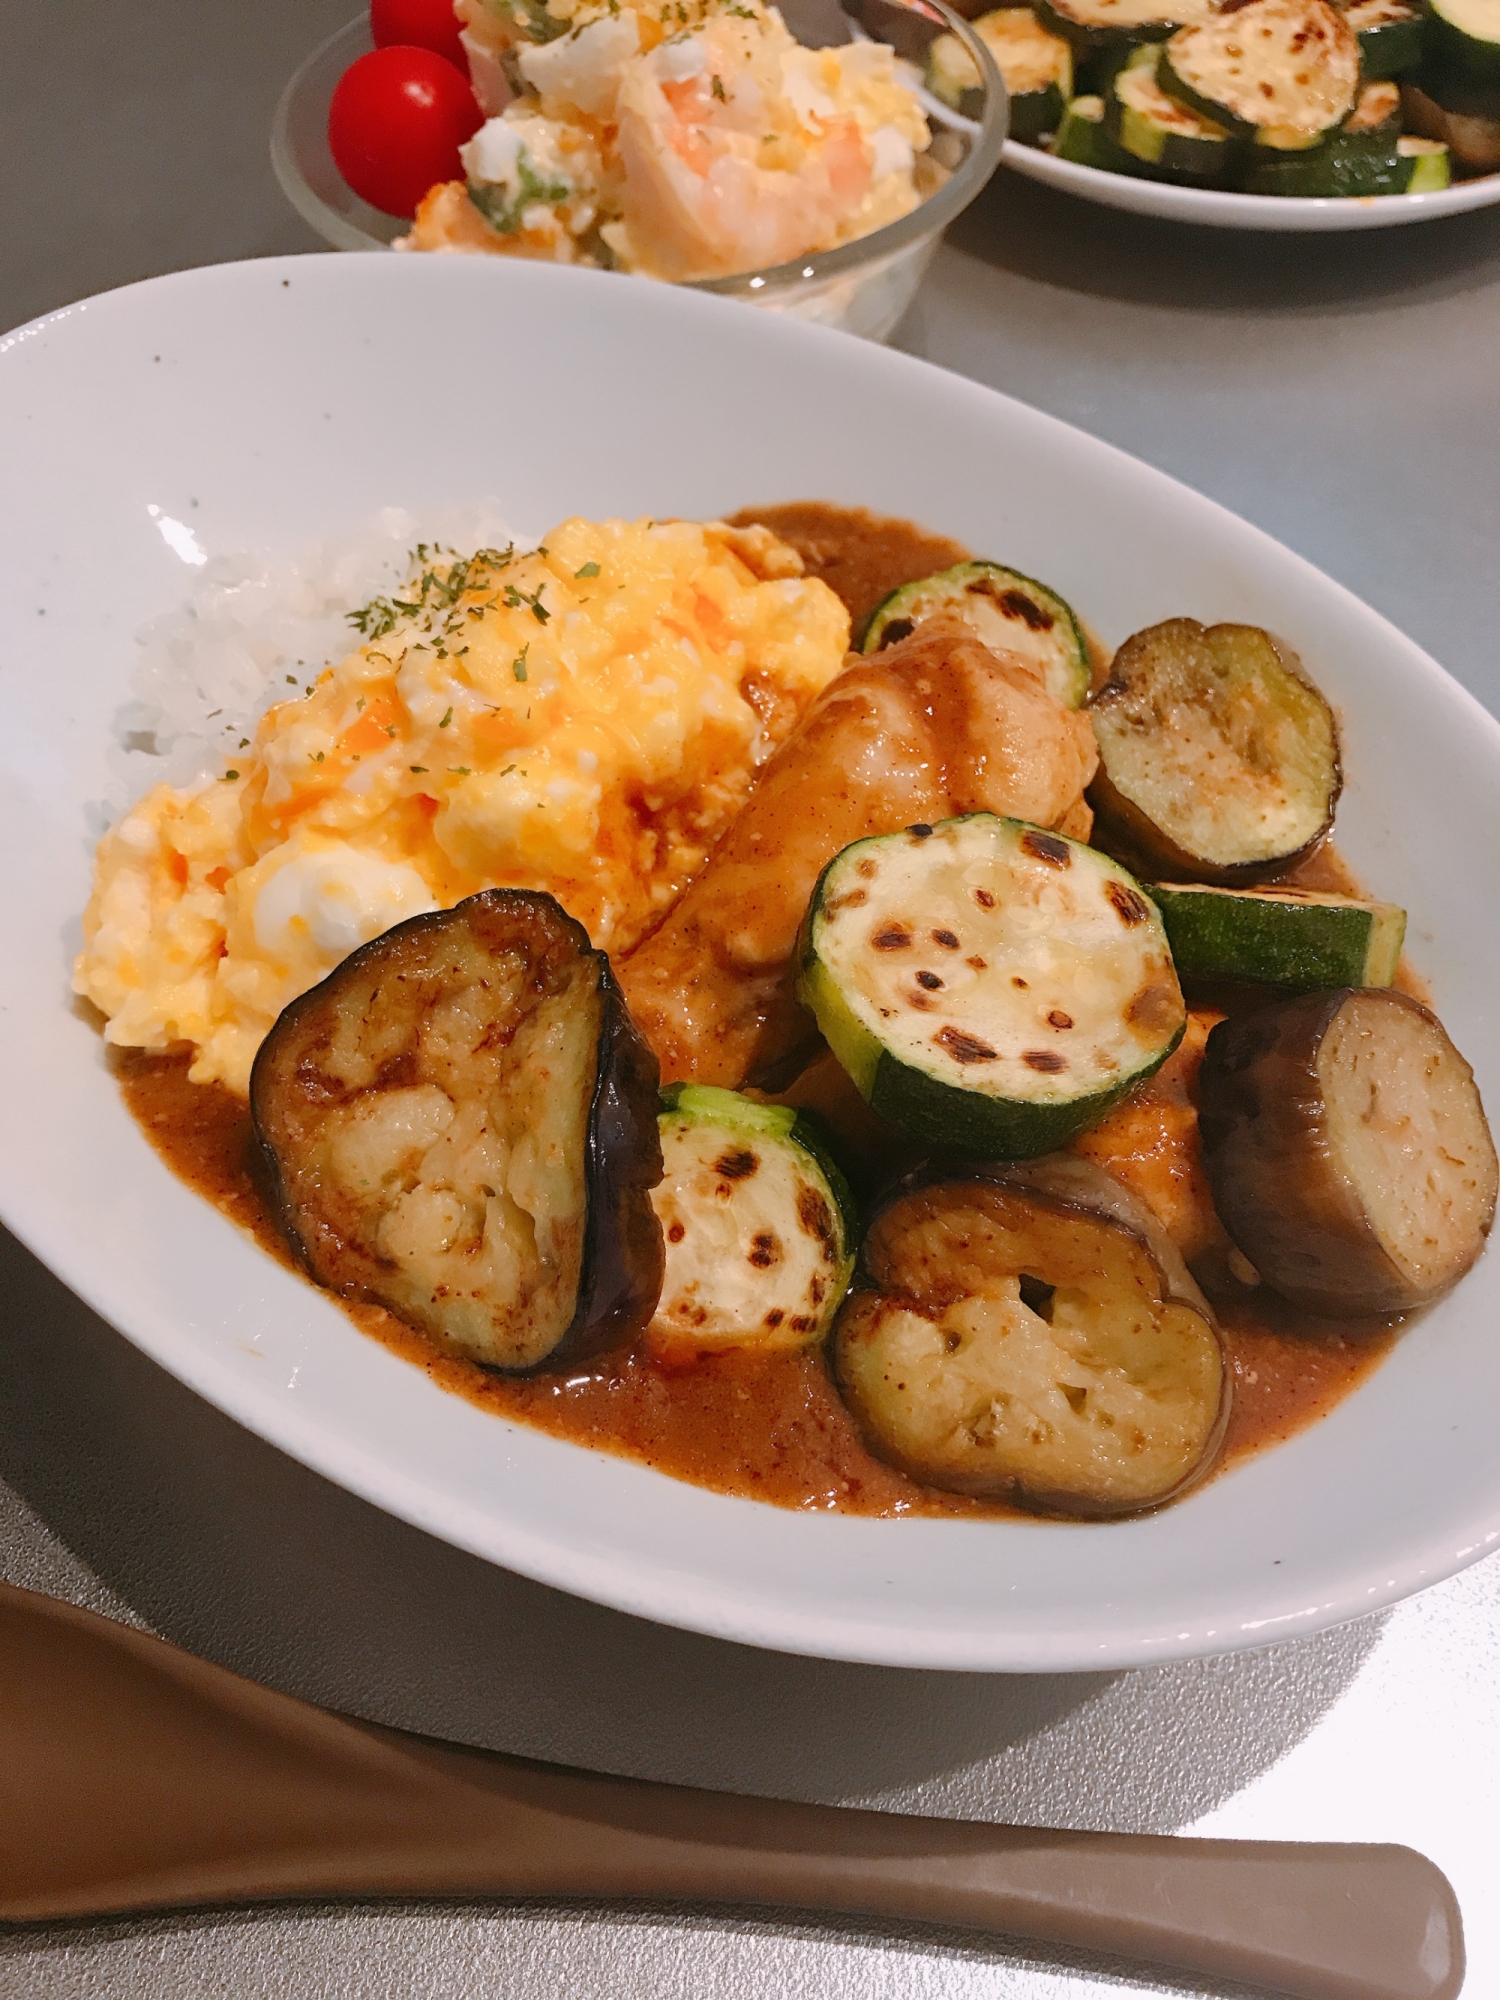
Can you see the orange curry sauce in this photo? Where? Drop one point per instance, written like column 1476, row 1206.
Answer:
column 775, row 1428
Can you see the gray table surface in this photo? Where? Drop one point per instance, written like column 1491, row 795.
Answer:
column 1341, row 393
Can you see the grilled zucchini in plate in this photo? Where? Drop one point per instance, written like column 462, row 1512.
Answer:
column 1037, row 67
column 1297, row 938
column 759, row 1225
column 1030, row 1334
column 1011, row 613
column 1267, row 69
column 460, row 1123
column 990, row 987
column 1218, row 758
column 1097, row 26
column 1173, row 142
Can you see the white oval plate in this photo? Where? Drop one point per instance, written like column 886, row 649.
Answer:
column 278, row 402
column 1224, row 209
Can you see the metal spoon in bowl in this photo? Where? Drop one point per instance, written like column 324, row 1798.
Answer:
column 133, row 1776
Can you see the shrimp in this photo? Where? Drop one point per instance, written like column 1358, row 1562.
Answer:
column 722, row 172
column 935, row 726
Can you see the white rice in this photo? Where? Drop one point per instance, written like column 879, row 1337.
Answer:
column 259, row 628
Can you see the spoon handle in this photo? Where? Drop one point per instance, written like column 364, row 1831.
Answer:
column 134, row 1776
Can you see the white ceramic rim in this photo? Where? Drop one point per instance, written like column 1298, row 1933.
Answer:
column 1225, row 209
column 611, row 1530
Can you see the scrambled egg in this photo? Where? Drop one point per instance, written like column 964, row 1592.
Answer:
column 584, row 719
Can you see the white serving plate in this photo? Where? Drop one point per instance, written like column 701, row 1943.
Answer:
column 1225, row 209
column 277, row 402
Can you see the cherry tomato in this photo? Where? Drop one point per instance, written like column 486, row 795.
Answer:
column 418, row 24
column 396, row 122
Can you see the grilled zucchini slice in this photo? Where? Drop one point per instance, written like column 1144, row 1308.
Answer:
column 1389, row 33
column 1083, row 139
column 1359, row 158
column 1348, row 1150
column 1030, row 1334
column 460, row 1124
column 1297, row 938
column 990, row 987
column 1270, row 70
column 1218, row 758
column 1174, row 142
column 1463, row 37
column 1098, row 26
column 759, row 1226
column 1011, row 613
column 1037, row 68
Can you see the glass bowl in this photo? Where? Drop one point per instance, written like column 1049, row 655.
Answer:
column 864, row 286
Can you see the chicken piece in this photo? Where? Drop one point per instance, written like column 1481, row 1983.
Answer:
column 932, row 727
column 1151, row 1142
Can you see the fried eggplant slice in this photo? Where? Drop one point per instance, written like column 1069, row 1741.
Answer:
column 1348, row 1150
column 1218, row 758
column 460, row 1123
column 1029, row 1333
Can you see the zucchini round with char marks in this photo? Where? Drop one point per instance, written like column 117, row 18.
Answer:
column 1037, row 67
column 1094, row 26
column 989, row 986
column 1083, row 139
column 460, row 1124
column 1030, row 1334
column 1218, row 758
column 1269, row 70
column 1175, row 143
column 1299, row 938
column 1011, row 613
column 1348, row 1150
column 1389, row 33
column 759, row 1226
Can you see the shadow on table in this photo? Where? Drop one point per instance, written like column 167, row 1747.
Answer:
column 1056, row 239
column 238, row 1553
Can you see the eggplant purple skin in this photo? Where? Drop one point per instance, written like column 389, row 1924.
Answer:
column 1132, row 837
column 624, row 1258
column 1277, row 1191
column 1064, row 1182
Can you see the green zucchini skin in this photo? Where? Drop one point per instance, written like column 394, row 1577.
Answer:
column 1364, row 157
column 1157, row 130
column 1083, row 139
column 1297, row 939
column 1463, row 37
column 1010, row 612
column 1390, row 37
column 967, row 1087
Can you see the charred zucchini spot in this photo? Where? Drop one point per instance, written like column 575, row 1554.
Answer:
column 920, row 831
column 737, row 1164
column 866, row 868
column 892, row 938
column 964, row 1048
column 896, row 631
column 946, row 939
column 977, row 964
column 984, row 899
column 930, row 980
column 816, row 1218
column 774, row 1318
column 850, row 900
column 676, row 1233
column 1016, row 604
column 1129, row 905
column 802, row 1324
column 1059, row 1020
column 1047, row 847
column 765, row 1251
column 1047, row 1061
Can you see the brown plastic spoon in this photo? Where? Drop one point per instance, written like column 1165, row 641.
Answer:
column 133, row 1776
